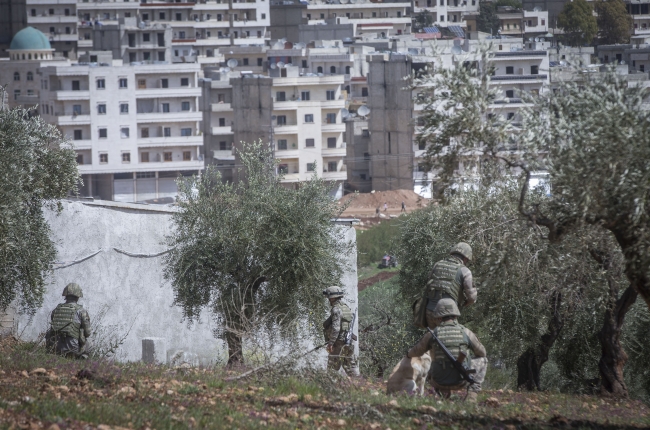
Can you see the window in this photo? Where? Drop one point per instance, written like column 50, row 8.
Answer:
column 124, row 83
column 103, row 158
column 362, row 176
column 144, row 157
column 311, row 167
column 185, row 105
column 511, row 115
column 16, row 94
column 142, row 84
column 332, row 166
column 124, row 108
column 259, row 62
column 186, row 131
column 347, row 70
column 101, row 84
column 282, row 120
column 101, row 109
column 280, row 96
column 534, row 70
column 331, row 142
column 51, row 11
column 164, row 83
column 331, row 118
column 187, row 155
column 167, row 131
column 132, row 57
column 222, row 122
column 80, row 158
column 33, row 12
column 144, row 132
column 161, row 16
column 364, row 92
column 263, row 16
column 642, row 67
column 309, row 118
column 146, row 37
column 147, row 56
column 304, row 95
column 165, row 107
column 366, row 156
column 319, row 69
column 76, row 85
column 282, row 144
column 543, row 22
column 78, row 135
column 365, row 132
column 179, row 18
column 30, row 76
column 399, row 14
column 76, row 109
column 126, row 157
column 331, row 94
column 245, row 62
column 510, row 70
column 309, row 143
column 185, row 82
column 283, row 169
column 124, row 132
column 16, row 76
column 167, row 156
column 332, row 69
column 510, row 94
column 161, row 56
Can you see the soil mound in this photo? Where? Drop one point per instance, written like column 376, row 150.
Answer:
column 377, row 199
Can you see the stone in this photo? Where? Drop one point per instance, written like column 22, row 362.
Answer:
column 154, row 350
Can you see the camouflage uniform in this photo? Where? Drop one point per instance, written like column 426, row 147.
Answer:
column 457, row 339
column 450, row 279
column 335, row 330
column 70, row 325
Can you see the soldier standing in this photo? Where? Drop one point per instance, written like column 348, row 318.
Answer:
column 336, row 329
column 70, row 325
column 458, row 340
column 451, row 279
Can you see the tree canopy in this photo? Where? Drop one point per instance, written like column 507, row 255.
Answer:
column 37, row 168
column 422, row 20
column 488, row 21
column 578, row 22
column 254, row 247
column 614, row 23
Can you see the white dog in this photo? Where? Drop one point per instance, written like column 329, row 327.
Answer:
column 409, row 375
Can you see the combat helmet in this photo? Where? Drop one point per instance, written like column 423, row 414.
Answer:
column 73, row 289
column 333, row 292
column 446, row 308
column 463, row 249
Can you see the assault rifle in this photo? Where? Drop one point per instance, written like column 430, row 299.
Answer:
column 350, row 336
column 457, row 363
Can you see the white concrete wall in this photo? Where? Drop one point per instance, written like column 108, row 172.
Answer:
column 133, row 287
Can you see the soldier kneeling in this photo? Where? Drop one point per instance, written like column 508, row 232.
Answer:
column 70, row 325
column 459, row 341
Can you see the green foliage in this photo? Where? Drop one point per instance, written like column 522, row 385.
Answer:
column 255, row 248
column 374, row 243
column 488, row 21
column 614, row 23
column 38, row 168
column 512, row 3
column 578, row 22
column 421, row 20
column 635, row 333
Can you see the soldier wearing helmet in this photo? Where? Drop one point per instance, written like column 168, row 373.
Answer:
column 335, row 330
column 70, row 325
column 458, row 340
column 451, row 279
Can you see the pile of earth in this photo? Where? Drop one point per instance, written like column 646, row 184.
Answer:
column 377, row 199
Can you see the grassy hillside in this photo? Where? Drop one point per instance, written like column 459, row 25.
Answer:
column 374, row 243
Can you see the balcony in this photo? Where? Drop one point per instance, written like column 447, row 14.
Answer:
column 332, row 127
column 219, row 131
column 71, row 95
column 71, row 119
column 289, row 127
column 168, row 92
column 168, row 116
column 223, row 154
column 221, row 107
column 336, row 176
column 334, row 152
column 514, row 78
column 163, row 142
column 291, row 177
column 52, row 19
column 287, row 154
column 82, row 144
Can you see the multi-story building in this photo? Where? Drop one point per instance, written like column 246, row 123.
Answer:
column 13, row 18
column 640, row 12
column 522, row 23
column 58, row 20
column 135, row 128
column 448, row 12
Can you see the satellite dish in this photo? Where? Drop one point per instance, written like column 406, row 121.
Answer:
column 456, row 50
column 363, row 110
column 541, row 39
column 273, row 66
column 537, row 39
column 345, row 113
column 299, row 45
column 232, row 63
column 345, row 1
column 320, row 75
column 226, row 69
column 353, row 1
column 280, row 64
column 141, row 25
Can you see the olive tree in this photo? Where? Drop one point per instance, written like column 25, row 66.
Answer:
column 254, row 247
column 37, row 168
column 590, row 136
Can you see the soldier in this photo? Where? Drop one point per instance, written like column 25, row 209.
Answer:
column 335, row 329
column 457, row 339
column 451, row 279
column 70, row 325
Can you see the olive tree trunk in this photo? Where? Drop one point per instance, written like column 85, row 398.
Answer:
column 529, row 364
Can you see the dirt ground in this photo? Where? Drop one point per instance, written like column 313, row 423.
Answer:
column 366, row 204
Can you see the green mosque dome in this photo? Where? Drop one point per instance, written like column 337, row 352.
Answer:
column 30, row 38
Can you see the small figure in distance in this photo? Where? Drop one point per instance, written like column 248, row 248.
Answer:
column 403, row 207
column 335, row 330
column 70, row 325
column 385, row 206
column 377, row 212
column 451, row 279
column 460, row 341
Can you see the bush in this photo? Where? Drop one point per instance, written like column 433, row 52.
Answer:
column 377, row 241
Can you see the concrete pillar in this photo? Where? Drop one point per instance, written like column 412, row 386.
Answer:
column 154, row 350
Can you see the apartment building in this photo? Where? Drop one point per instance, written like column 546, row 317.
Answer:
column 640, row 12
column 448, row 12
column 58, row 20
column 522, row 23
column 13, row 18
column 135, row 128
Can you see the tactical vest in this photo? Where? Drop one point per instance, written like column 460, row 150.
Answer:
column 453, row 336
column 346, row 319
column 443, row 279
column 63, row 320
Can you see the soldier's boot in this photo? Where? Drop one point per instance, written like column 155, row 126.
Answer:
column 472, row 397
